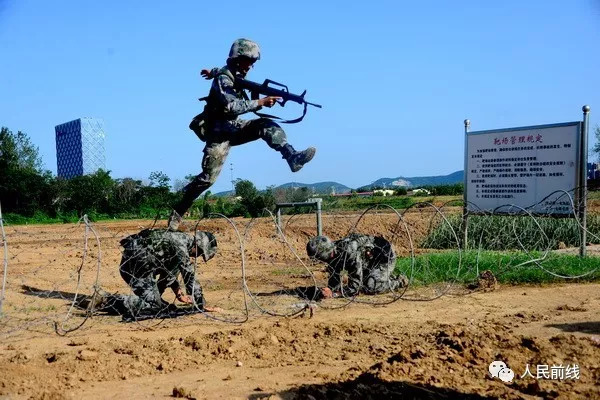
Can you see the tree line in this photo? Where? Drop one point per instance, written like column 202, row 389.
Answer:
column 30, row 193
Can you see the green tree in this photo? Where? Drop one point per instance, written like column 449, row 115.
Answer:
column 159, row 179
column 90, row 193
column 126, row 196
column 300, row 194
column 596, row 148
column 17, row 151
column 269, row 198
column 400, row 191
column 206, row 207
column 249, row 194
column 252, row 203
column 24, row 188
column 245, row 189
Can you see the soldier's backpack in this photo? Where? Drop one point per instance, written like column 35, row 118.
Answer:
column 132, row 242
column 199, row 124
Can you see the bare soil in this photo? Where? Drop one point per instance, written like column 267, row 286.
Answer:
column 416, row 349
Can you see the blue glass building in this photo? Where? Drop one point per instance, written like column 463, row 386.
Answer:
column 80, row 147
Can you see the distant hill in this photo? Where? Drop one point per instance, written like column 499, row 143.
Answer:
column 318, row 188
column 453, row 178
column 223, row 194
column 326, row 187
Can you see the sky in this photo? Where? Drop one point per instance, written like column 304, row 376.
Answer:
column 396, row 79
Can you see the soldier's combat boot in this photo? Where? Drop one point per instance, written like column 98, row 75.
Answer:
column 174, row 221
column 402, row 281
column 98, row 300
column 297, row 159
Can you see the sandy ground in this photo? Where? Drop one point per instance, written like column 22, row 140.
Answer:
column 406, row 349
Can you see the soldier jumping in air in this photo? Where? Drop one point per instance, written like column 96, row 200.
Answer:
column 221, row 128
column 368, row 260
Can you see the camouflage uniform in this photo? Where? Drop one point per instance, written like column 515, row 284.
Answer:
column 151, row 262
column 223, row 129
column 368, row 260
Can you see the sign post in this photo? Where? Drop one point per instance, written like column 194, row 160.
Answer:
column 465, row 216
column 583, row 185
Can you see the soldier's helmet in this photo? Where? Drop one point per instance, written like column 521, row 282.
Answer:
column 320, row 248
column 206, row 243
column 245, row 48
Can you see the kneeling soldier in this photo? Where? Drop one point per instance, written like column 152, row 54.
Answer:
column 152, row 261
column 368, row 260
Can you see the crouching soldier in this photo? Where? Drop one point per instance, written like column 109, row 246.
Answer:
column 152, row 261
column 368, row 260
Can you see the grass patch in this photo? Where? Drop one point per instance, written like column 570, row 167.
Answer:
column 71, row 218
column 38, row 218
column 507, row 232
column 506, row 266
column 354, row 203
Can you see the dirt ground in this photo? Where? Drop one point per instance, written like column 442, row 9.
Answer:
column 434, row 349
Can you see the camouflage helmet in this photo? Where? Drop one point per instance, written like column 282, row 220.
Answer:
column 245, row 48
column 321, row 248
column 206, row 244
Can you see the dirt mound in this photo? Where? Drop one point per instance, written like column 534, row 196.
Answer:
column 448, row 363
column 441, row 362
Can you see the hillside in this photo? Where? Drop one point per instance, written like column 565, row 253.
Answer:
column 453, row 178
column 319, row 187
column 329, row 186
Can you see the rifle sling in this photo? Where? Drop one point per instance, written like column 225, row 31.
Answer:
column 284, row 121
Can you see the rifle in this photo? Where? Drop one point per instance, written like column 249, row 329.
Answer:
column 257, row 89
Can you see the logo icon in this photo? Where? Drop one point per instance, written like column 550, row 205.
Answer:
column 498, row 369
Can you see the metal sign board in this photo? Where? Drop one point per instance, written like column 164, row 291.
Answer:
column 528, row 167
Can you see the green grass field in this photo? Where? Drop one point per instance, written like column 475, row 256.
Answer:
column 508, row 267
column 513, row 232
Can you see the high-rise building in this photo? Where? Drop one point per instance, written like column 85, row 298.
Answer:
column 80, row 147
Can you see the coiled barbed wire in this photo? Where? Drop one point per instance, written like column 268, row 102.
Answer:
column 538, row 250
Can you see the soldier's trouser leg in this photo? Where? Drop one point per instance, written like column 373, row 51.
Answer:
column 381, row 280
column 198, row 296
column 144, row 301
column 146, row 298
column 261, row 128
column 215, row 155
column 273, row 134
column 378, row 281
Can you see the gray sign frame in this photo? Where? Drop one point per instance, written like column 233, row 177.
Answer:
column 580, row 184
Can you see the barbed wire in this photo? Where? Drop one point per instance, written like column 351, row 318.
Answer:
column 260, row 264
column 4, row 260
column 60, row 328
